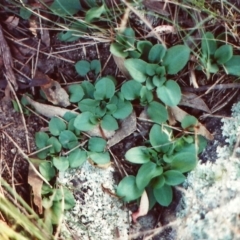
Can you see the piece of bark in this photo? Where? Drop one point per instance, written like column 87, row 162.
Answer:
column 7, row 60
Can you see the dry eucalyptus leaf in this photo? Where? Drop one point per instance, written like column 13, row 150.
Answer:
column 52, row 89
column 51, row 111
column 143, row 207
column 163, row 29
column 127, row 126
column 56, row 94
column 36, row 183
column 96, row 131
column 47, row 110
column 179, row 115
column 194, row 101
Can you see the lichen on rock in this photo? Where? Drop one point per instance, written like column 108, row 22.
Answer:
column 210, row 205
column 97, row 214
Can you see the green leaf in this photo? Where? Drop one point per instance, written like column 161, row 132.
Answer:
column 47, row 170
column 25, row 13
column 176, row 58
column 56, row 145
column 77, row 28
column 128, row 190
column 138, row 155
column 151, row 198
column 88, row 105
column 124, row 109
column 56, row 212
column 83, row 123
column 94, row 13
column 157, row 53
column 126, row 37
column 76, row 93
column 109, row 123
column 158, row 81
column 82, row 67
column 151, row 69
column 146, row 172
column 208, row 45
column 88, row 89
column 146, row 95
column 64, row 8
column 69, row 115
column 173, row 177
column 68, row 139
column 131, row 89
column 223, row 54
column 118, row 50
column 99, row 158
column 232, row 66
column 158, row 182
column 157, row 112
column 184, row 162
column 159, row 138
column 56, row 125
column 202, row 143
column 95, row 66
column 67, row 36
column 188, row 121
column 41, row 139
column 66, row 194
column 61, row 163
column 105, row 89
column 163, row 195
column 69, row 200
column 169, row 93
column 96, row 144
column 72, row 128
column 76, row 158
column 144, row 48
column 136, row 68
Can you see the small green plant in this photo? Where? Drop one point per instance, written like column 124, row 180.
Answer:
column 214, row 55
column 83, row 67
column 163, row 164
column 100, row 105
column 150, row 65
column 62, row 137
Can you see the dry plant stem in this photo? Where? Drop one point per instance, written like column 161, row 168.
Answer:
column 211, row 88
column 80, row 145
column 224, row 102
column 35, row 67
column 33, row 49
column 7, row 59
column 22, row 115
column 26, row 157
column 121, row 169
column 40, row 150
column 155, row 231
